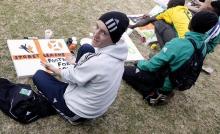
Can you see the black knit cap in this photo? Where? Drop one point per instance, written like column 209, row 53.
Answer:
column 216, row 5
column 203, row 21
column 116, row 23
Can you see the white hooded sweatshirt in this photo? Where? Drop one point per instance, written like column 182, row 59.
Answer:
column 95, row 80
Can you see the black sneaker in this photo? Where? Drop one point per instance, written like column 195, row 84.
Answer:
column 157, row 99
column 78, row 122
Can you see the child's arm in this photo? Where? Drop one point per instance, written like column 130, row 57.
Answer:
column 143, row 22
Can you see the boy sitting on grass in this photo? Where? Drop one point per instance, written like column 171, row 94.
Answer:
column 171, row 23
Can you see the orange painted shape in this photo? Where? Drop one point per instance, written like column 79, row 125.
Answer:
column 40, row 52
column 148, row 27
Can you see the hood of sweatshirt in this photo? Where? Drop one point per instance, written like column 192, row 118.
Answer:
column 118, row 50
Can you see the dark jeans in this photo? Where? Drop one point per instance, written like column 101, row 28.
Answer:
column 164, row 32
column 53, row 89
column 143, row 81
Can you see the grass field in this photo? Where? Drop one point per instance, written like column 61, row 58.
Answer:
column 193, row 111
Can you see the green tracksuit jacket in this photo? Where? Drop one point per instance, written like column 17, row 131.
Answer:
column 175, row 53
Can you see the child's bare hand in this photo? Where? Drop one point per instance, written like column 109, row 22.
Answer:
column 48, row 66
column 145, row 16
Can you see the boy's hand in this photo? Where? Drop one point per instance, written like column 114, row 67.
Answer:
column 145, row 16
column 49, row 66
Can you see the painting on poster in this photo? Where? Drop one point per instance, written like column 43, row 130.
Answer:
column 146, row 31
column 27, row 54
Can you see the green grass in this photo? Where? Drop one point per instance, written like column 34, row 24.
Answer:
column 194, row 111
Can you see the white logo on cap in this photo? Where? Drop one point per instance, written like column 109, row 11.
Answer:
column 112, row 24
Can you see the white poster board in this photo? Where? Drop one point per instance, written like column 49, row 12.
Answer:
column 27, row 54
column 133, row 53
